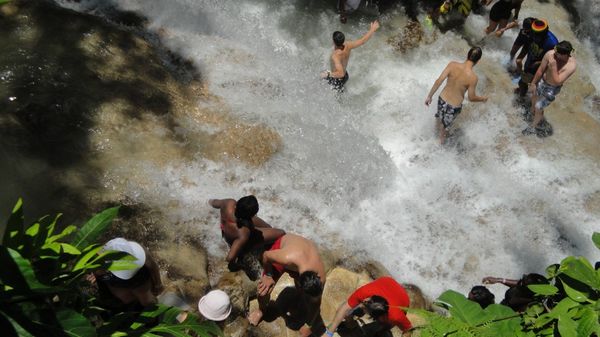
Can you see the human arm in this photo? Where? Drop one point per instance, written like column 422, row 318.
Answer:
column 437, row 83
column 510, row 25
column 540, row 72
column 342, row 312
column 238, row 244
column 258, row 222
column 266, row 283
column 365, row 38
column 506, row 282
column 472, row 95
column 150, row 263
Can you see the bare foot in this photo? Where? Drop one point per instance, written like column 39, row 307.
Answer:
column 255, row 317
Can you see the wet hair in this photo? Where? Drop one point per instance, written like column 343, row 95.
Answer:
column 474, row 54
column 310, row 283
column 533, row 279
column 376, row 306
column 527, row 23
column 564, row 48
column 338, row 38
column 245, row 209
column 481, row 295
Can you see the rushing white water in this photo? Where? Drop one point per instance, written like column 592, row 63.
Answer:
column 366, row 172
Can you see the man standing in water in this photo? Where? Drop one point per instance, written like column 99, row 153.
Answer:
column 556, row 67
column 460, row 78
column 341, row 54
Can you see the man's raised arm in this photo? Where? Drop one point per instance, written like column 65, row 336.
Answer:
column 365, row 38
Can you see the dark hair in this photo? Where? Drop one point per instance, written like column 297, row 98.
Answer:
column 564, row 48
column 533, row 279
column 527, row 23
column 474, row 54
column 245, row 209
column 338, row 38
column 481, row 295
column 310, row 283
column 376, row 306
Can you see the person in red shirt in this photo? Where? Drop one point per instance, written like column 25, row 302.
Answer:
column 383, row 299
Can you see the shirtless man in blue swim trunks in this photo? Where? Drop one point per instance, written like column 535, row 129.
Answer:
column 556, row 67
column 460, row 79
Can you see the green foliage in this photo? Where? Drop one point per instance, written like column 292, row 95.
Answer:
column 43, row 291
column 569, row 307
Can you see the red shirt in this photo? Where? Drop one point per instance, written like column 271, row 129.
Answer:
column 393, row 293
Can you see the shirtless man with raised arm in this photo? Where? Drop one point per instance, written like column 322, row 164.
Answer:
column 341, row 54
column 299, row 257
column 460, row 79
column 241, row 228
column 556, row 67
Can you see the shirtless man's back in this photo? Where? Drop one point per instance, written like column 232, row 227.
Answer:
column 340, row 56
column 460, row 79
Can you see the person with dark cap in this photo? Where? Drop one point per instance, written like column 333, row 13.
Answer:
column 482, row 296
column 384, row 299
column 242, row 229
column 518, row 296
column 338, row 76
column 556, row 67
column 542, row 41
column 460, row 79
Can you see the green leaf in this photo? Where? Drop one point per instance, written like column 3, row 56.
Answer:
column 83, row 261
column 26, row 270
column 588, row 323
column 33, row 230
column 543, row 289
column 95, row 227
column 70, row 229
column 74, row 324
column 580, row 269
column 13, row 234
column 563, row 307
column 2, row 2
column 61, row 247
column 567, row 327
column 10, row 274
column 461, row 308
column 596, row 239
column 552, row 270
column 574, row 294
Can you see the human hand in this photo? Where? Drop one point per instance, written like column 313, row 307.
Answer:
column 375, row 25
column 519, row 63
column 484, row 98
column 91, row 278
column 499, row 32
column 532, row 88
column 209, row 202
column 490, row 280
column 428, row 101
column 265, row 285
column 325, row 74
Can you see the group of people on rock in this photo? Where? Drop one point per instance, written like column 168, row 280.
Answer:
column 250, row 237
column 548, row 63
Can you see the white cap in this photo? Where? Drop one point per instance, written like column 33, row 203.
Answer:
column 215, row 305
column 132, row 248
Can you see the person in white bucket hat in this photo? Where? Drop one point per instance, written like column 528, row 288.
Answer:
column 215, row 306
column 140, row 284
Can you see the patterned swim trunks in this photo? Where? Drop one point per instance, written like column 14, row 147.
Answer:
column 446, row 112
column 546, row 94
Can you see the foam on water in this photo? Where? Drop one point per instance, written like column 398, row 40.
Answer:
column 366, row 172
